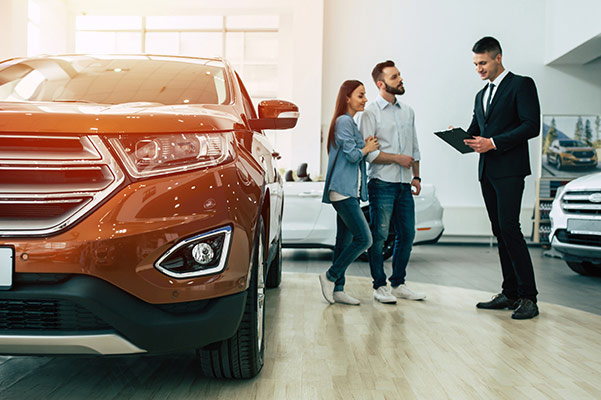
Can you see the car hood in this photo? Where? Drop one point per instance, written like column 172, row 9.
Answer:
column 587, row 182
column 86, row 118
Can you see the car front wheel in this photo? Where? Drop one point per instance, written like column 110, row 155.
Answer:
column 241, row 356
column 585, row 268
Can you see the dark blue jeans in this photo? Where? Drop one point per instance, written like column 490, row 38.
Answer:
column 390, row 203
column 352, row 239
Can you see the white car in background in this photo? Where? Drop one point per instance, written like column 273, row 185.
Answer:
column 309, row 223
column 576, row 224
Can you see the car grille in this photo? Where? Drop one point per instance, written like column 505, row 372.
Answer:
column 580, row 239
column 48, row 182
column 582, row 202
column 583, row 154
column 44, row 315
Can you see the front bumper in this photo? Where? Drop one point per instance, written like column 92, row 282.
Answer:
column 86, row 315
column 576, row 252
column 576, row 162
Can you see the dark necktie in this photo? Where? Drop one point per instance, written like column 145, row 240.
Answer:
column 489, row 100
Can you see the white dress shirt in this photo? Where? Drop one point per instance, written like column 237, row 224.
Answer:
column 496, row 82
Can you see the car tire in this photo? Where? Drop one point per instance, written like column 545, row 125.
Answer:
column 242, row 355
column 388, row 244
column 558, row 163
column 585, row 268
column 274, row 275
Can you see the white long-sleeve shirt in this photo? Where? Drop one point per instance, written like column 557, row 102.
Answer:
column 394, row 127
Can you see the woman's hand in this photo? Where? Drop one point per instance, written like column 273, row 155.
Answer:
column 371, row 144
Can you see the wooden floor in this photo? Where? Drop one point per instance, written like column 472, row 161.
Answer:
column 441, row 348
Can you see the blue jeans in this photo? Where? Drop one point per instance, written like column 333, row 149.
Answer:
column 352, row 239
column 390, row 203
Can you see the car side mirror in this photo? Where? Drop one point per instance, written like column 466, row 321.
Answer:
column 275, row 114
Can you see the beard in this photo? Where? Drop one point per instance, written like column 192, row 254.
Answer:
column 394, row 90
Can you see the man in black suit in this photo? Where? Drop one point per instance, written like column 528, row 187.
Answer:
column 506, row 115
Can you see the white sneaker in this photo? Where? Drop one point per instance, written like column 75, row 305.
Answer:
column 382, row 294
column 327, row 288
column 403, row 292
column 344, row 298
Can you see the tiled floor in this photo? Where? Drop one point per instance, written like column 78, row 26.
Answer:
column 471, row 267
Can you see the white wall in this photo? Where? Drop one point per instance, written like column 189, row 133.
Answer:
column 571, row 25
column 431, row 41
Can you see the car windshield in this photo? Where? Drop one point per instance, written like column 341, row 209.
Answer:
column 572, row 143
column 115, row 80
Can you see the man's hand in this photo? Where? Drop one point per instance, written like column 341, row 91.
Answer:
column 404, row 161
column 416, row 187
column 480, row 144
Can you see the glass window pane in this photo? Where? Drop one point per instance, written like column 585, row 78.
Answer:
column 199, row 22
column 104, row 22
column 33, row 12
column 201, row 44
column 128, row 43
column 261, row 47
column 33, row 39
column 252, row 22
column 234, row 47
column 261, row 80
column 94, row 42
column 162, row 43
column 114, row 81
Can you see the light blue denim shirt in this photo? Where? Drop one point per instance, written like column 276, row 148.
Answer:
column 344, row 161
column 394, row 127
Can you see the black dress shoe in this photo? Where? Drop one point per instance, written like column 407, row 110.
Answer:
column 526, row 310
column 499, row 302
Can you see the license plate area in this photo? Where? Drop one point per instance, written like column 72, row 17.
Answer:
column 7, row 267
column 584, row 226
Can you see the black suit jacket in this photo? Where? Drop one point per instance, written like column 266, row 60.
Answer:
column 513, row 118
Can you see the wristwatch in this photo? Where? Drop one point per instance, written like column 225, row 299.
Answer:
column 418, row 179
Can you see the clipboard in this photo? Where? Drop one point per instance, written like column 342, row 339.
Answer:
column 455, row 138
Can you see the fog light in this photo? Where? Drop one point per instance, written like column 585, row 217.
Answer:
column 203, row 253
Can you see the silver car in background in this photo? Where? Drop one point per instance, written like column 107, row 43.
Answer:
column 576, row 224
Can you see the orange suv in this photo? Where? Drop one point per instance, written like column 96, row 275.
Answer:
column 140, row 209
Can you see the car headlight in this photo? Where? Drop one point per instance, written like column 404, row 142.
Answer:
column 158, row 154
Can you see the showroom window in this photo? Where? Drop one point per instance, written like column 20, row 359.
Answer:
column 250, row 42
column 34, row 18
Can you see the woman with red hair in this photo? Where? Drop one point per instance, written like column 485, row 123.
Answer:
column 345, row 187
